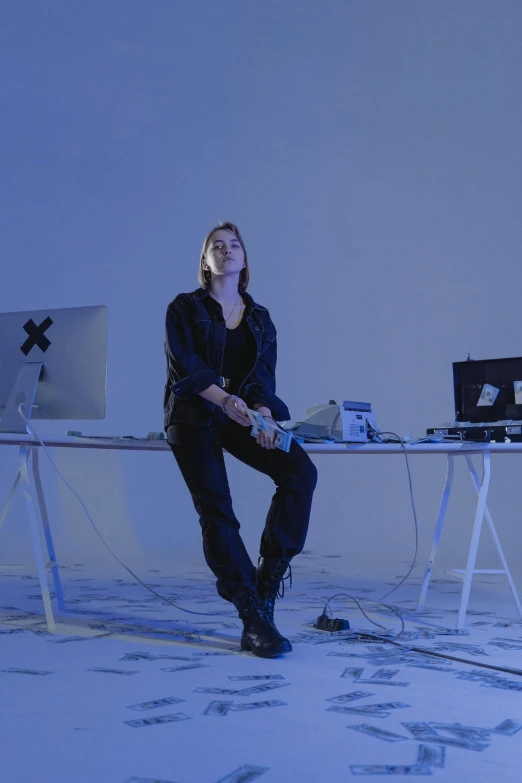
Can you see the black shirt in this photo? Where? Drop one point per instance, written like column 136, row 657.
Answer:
column 239, row 355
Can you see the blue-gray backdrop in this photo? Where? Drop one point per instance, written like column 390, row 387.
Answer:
column 370, row 154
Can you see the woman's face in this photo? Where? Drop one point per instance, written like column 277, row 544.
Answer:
column 224, row 254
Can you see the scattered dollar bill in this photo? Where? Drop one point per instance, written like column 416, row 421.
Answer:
column 177, row 716
column 348, row 697
column 150, row 657
column 506, row 645
column 455, row 742
column 217, row 691
column 147, row 780
column 207, row 654
column 470, row 649
column 151, row 705
column 510, row 639
column 389, row 705
column 476, row 675
column 137, row 657
column 244, row 774
column 23, row 616
column 373, row 709
column 352, row 673
column 488, row 395
column 463, row 732
column 375, row 731
column 218, row 708
column 39, row 672
column 267, row 686
column 183, row 668
column 257, row 705
column 425, row 733
column 112, row 671
column 384, row 674
column 420, row 730
column 257, row 677
column 346, row 710
column 395, row 683
column 503, row 683
column 508, row 728
column 67, row 639
column 409, row 636
column 343, row 655
column 431, row 755
column 389, row 769
column 505, row 624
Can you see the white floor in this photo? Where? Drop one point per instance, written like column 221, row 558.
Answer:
column 72, row 701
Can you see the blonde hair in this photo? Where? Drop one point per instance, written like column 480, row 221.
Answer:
column 204, row 275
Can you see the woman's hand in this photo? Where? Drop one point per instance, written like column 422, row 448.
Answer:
column 236, row 409
column 266, row 438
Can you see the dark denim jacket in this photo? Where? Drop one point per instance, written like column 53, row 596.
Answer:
column 194, row 346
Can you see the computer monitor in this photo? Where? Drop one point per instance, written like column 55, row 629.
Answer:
column 55, row 363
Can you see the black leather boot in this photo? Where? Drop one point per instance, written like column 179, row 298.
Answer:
column 260, row 636
column 270, row 582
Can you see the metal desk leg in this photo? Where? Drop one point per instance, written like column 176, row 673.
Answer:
column 24, row 456
column 475, row 536
column 47, row 531
column 9, row 499
column 505, row 569
column 436, row 535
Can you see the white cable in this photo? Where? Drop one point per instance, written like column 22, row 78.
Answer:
column 166, row 600
column 414, row 517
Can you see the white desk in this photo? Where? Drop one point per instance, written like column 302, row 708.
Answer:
column 38, row 518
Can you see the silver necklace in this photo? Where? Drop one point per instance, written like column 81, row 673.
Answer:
column 232, row 313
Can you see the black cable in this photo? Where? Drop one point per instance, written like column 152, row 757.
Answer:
column 423, row 651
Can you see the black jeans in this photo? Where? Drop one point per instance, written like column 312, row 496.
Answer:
column 199, row 453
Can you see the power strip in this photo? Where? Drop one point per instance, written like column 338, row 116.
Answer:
column 325, row 623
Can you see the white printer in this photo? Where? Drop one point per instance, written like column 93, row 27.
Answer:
column 348, row 423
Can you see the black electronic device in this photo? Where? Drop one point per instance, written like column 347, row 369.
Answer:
column 499, row 433
column 469, row 379
column 488, row 401
column 333, row 624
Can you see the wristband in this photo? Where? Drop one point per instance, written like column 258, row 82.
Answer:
column 227, row 398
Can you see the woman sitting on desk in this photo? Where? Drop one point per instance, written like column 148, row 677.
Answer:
column 221, row 355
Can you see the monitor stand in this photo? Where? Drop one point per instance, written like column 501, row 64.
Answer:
column 24, row 391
